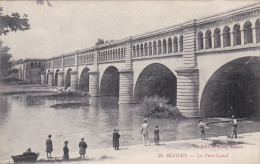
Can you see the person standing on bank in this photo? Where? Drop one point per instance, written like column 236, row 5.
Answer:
column 116, row 137
column 156, row 135
column 65, row 151
column 144, row 132
column 49, row 147
column 234, row 130
column 201, row 126
column 82, row 148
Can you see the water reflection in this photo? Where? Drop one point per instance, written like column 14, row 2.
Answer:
column 26, row 121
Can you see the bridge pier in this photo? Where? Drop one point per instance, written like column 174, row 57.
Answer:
column 125, row 86
column 60, row 79
column 74, row 80
column 43, row 75
column 50, row 78
column 94, row 83
column 188, row 91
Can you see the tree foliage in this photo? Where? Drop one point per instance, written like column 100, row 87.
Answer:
column 5, row 63
column 99, row 42
column 41, row 2
column 15, row 22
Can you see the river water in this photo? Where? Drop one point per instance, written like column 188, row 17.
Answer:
column 27, row 120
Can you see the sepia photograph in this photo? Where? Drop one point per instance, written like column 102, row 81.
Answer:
column 133, row 82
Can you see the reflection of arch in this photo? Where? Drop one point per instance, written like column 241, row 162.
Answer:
column 233, row 89
column 67, row 77
column 109, row 85
column 156, row 79
column 56, row 77
column 84, row 80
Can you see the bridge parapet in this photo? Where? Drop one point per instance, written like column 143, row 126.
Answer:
column 236, row 28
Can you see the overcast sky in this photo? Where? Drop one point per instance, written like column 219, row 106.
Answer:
column 73, row 25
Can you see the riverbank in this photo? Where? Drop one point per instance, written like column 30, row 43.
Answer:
column 23, row 89
column 244, row 149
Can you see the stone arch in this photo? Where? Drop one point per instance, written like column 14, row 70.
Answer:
column 169, row 45
column 154, row 48
column 159, row 47
column 109, row 85
column 226, row 37
column 200, row 40
column 137, row 51
column 208, row 39
column 156, row 79
column 142, row 49
column 236, row 35
column 248, row 36
column 175, row 44
column 150, row 49
column 257, row 30
column 68, row 77
column 145, row 49
column 84, row 80
column 164, row 46
column 233, row 89
column 217, row 39
column 56, row 77
column 181, row 43
column 47, row 76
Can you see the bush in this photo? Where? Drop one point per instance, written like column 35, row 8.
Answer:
column 157, row 107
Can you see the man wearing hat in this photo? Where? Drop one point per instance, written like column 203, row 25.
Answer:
column 49, row 148
column 116, row 137
column 144, row 132
column 82, row 148
column 66, row 151
column 234, row 131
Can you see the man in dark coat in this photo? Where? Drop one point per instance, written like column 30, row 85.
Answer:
column 49, row 147
column 66, row 151
column 82, row 148
column 116, row 137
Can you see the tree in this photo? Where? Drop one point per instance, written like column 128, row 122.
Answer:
column 99, row 42
column 5, row 63
column 15, row 22
column 41, row 2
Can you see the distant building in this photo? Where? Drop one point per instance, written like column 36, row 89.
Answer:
column 30, row 70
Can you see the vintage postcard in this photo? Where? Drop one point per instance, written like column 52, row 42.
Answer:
column 136, row 82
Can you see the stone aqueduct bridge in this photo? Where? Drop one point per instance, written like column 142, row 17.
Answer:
column 193, row 51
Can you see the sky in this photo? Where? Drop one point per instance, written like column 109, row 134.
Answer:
column 73, row 25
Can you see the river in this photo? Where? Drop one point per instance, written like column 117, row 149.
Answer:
column 26, row 121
